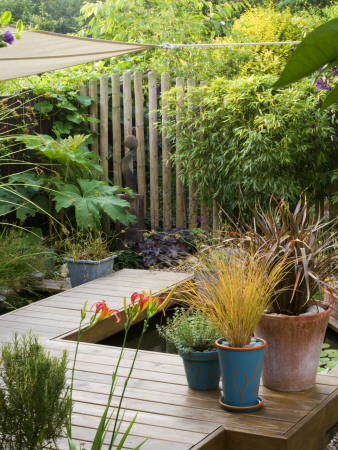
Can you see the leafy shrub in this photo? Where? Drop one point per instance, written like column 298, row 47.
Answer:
column 128, row 259
column 256, row 139
column 34, row 399
column 189, row 331
column 266, row 24
column 161, row 21
column 168, row 248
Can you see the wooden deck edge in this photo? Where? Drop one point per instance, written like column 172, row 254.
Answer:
column 236, row 439
column 214, row 441
column 317, row 424
column 230, row 439
column 109, row 327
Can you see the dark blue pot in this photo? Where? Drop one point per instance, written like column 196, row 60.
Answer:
column 241, row 372
column 202, row 369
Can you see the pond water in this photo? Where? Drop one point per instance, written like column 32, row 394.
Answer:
column 152, row 341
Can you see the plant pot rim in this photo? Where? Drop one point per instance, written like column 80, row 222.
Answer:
column 277, row 316
column 243, row 349
column 89, row 261
column 187, row 355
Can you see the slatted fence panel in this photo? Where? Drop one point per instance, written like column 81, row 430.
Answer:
column 157, row 176
column 116, row 128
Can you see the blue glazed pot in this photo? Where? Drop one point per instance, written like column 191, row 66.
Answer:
column 202, row 369
column 81, row 270
column 241, row 372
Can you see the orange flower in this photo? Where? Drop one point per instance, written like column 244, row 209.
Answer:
column 102, row 308
column 144, row 299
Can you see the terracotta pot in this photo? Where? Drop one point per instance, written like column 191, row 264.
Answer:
column 293, row 350
column 332, row 300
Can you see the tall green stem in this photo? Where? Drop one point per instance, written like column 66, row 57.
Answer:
column 145, row 326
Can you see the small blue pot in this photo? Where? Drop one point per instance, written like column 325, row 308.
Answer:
column 241, row 372
column 82, row 270
column 202, row 369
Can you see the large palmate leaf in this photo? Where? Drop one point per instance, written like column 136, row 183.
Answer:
column 90, row 198
column 70, row 151
column 20, row 195
column 318, row 48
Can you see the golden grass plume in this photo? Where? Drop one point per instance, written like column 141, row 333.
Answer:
column 234, row 292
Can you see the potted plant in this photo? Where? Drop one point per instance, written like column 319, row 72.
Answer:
column 295, row 324
column 194, row 337
column 88, row 257
column 241, row 290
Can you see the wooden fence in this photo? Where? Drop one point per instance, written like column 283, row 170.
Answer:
column 137, row 111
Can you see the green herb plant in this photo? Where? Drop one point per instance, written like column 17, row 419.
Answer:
column 34, row 398
column 189, row 331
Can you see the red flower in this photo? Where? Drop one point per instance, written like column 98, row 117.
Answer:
column 102, row 308
column 144, row 299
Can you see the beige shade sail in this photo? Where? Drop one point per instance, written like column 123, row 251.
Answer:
column 41, row 51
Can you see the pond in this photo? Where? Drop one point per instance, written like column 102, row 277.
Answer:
column 152, row 341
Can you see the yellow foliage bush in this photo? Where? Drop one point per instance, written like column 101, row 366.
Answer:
column 268, row 25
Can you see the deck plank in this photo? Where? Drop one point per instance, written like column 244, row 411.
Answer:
column 169, row 413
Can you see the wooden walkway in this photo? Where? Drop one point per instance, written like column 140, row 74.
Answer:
column 173, row 416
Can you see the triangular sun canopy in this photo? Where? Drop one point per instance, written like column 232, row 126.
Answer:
column 42, row 51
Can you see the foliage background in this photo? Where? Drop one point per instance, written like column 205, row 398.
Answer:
column 251, row 141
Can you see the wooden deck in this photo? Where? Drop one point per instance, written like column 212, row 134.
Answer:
column 173, row 416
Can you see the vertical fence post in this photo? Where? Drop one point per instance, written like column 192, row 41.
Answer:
column 83, row 90
column 166, row 163
column 153, row 150
column 116, row 128
column 127, row 109
column 192, row 186
column 104, row 139
column 104, row 124
column 84, row 93
column 180, row 207
column 93, row 112
column 139, row 123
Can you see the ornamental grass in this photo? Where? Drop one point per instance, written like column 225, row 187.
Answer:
column 233, row 294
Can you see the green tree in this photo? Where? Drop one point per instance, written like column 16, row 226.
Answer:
column 161, row 21
column 60, row 16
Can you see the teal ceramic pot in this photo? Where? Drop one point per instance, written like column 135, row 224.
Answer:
column 202, row 369
column 81, row 270
column 241, row 372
